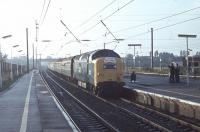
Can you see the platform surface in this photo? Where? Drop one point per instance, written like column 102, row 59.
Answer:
column 160, row 85
column 27, row 106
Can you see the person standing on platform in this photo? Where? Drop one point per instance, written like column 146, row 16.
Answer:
column 172, row 73
column 133, row 77
column 177, row 70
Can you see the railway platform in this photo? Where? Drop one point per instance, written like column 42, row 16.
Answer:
column 28, row 106
column 160, row 85
column 176, row 98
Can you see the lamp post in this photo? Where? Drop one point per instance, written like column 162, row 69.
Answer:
column 192, row 63
column 124, row 62
column 11, row 69
column 134, row 45
column 139, row 63
column 27, row 50
column 187, row 36
column 18, row 64
column 160, row 64
column 22, row 55
column 4, row 37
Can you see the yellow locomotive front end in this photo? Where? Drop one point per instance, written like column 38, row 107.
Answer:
column 108, row 75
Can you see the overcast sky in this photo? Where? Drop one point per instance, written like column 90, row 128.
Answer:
column 83, row 17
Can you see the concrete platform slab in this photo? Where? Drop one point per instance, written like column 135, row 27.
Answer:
column 28, row 106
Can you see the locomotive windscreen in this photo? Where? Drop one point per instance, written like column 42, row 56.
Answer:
column 109, row 63
column 105, row 53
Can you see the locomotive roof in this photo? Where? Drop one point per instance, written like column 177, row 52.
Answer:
column 77, row 57
column 95, row 54
column 83, row 56
column 104, row 53
column 68, row 58
column 86, row 55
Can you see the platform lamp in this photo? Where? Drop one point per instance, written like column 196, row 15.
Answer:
column 18, row 64
column 21, row 61
column 187, row 36
column 134, row 45
column 11, row 72
column 4, row 37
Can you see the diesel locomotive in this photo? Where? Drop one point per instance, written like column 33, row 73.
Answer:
column 99, row 71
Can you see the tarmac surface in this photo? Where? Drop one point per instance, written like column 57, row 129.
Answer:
column 28, row 106
column 160, row 85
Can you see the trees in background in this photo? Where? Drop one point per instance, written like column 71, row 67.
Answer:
column 162, row 58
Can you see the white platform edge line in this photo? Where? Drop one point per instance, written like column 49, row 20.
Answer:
column 26, row 108
column 164, row 96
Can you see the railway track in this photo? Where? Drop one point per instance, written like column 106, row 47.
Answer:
column 164, row 120
column 83, row 118
column 120, row 115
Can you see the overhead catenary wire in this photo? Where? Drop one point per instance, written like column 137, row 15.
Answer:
column 42, row 11
column 109, row 31
column 118, row 9
column 177, row 23
column 157, row 20
column 45, row 12
column 93, row 26
column 70, row 31
column 156, row 29
column 95, row 14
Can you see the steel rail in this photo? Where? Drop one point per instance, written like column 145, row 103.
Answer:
column 165, row 115
column 59, row 103
column 122, row 109
column 86, row 107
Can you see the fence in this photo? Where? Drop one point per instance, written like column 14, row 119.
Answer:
column 7, row 76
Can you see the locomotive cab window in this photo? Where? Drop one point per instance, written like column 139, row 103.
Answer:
column 109, row 63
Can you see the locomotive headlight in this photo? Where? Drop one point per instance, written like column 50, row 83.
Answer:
column 119, row 77
column 99, row 74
